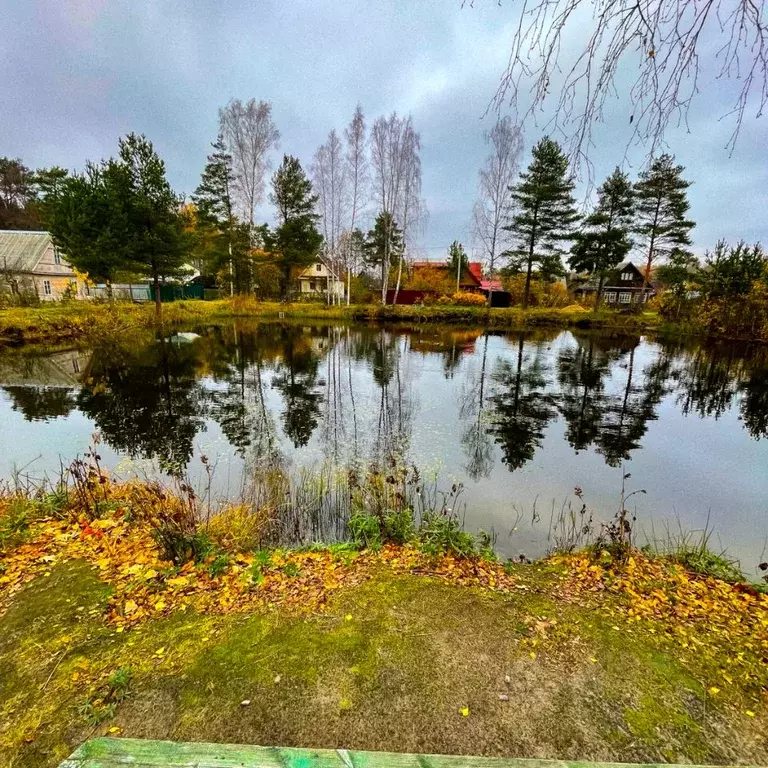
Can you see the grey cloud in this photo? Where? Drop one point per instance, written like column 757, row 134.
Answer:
column 81, row 73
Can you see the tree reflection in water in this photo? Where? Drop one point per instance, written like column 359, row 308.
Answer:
column 352, row 392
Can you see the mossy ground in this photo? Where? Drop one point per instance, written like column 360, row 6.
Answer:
column 389, row 664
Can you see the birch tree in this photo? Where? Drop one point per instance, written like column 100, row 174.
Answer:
column 413, row 210
column 358, row 182
column 493, row 206
column 329, row 179
column 249, row 133
column 396, row 166
column 573, row 56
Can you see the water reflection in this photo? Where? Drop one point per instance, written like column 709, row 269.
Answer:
column 146, row 401
column 355, row 393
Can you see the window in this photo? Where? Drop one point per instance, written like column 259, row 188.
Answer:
column 47, row 288
column 319, row 267
column 626, row 277
column 56, row 257
column 76, row 365
column 610, row 297
column 311, row 285
column 625, row 297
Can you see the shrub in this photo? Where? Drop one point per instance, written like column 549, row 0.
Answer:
column 542, row 293
column 102, row 705
column 709, row 564
column 365, row 530
column 464, row 299
column 443, row 533
column 239, row 528
column 15, row 516
column 219, row 565
column 173, row 522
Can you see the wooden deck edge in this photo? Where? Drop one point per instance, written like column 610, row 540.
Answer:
column 137, row 753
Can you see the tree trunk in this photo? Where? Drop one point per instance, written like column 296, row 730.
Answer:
column 651, row 245
column 531, row 245
column 528, row 280
column 231, row 271
column 158, row 303
column 599, row 296
column 399, row 276
column 286, row 282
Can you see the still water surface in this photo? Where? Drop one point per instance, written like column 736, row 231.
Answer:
column 519, row 419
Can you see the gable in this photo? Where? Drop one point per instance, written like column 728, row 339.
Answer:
column 628, row 266
column 312, row 271
column 22, row 251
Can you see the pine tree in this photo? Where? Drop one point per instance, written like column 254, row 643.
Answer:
column 212, row 196
column 383, row 244
column 546, row 215
column 155, row 236
column 457, row 260
column 662, row 205
column 603, row 242
column 296, row 238
column 216, row 225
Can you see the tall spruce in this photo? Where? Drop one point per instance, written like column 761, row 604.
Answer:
column 604, row 239
column 215, row 218
column 662, row 204
column 546, row 213
column 296, row 239
column 156, row 240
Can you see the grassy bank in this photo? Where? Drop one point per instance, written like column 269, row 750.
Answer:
column 410, row 647
column 57, row 322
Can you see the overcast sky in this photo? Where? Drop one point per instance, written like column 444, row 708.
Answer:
column 79, row 73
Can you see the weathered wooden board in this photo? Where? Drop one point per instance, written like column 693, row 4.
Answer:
column 114, row 753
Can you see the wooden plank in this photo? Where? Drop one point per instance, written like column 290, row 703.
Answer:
column 114, row 753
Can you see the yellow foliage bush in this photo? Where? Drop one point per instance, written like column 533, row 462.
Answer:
column 542, row 293
column 239, row 528
column 464, row 299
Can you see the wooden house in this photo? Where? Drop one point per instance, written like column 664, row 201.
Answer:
column 622, row 286
column 318, row 279
column 31, row 264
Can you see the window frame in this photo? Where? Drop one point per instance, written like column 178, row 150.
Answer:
column 47, row 288
column 625, row 297
column 318, row 267
column 610, row 297
column 627, row 277
column 56, row 257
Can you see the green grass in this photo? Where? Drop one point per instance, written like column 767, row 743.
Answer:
column 57, row 322
column 388, row 666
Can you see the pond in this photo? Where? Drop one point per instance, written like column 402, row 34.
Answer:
column 515, row 421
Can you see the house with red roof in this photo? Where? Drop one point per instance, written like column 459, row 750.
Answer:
column 437, row 278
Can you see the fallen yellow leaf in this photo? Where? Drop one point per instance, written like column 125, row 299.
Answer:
column 464, row 711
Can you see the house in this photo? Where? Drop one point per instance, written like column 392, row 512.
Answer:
column 440, row 276
column 318, row 279
column 435, row 278
column 31, row 264
column 622, row 286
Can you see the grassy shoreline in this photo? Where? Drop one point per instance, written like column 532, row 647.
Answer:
column 80, row 319
column 402, row 647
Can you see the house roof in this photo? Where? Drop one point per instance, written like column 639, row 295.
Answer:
column 20, row 250
column 474, row 268
column 491, row 285
column 308, row 272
